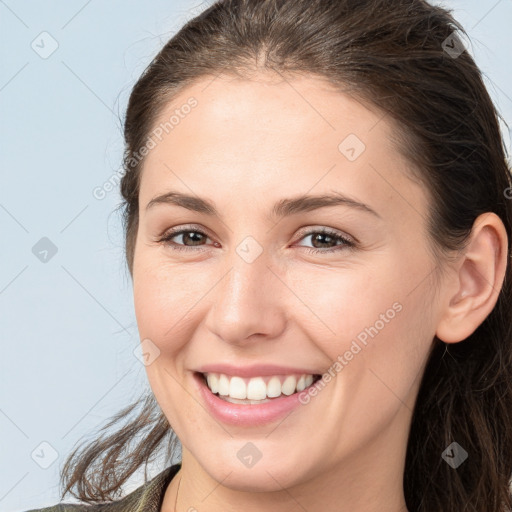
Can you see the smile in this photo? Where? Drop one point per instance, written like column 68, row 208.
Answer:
column 227, row 396
column 256, row 390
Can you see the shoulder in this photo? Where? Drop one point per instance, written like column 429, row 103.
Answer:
column 148, row 497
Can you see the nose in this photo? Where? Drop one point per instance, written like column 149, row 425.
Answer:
column 250, row 300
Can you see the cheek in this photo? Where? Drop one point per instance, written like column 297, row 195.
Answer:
column 369, row 318
column 166, row 299
column 341, row 303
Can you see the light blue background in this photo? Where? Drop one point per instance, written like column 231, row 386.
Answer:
column 67, row 326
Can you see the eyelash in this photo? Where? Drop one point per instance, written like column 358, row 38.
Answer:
column 347, row 243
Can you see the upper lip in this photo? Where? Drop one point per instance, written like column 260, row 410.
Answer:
column 255, row 370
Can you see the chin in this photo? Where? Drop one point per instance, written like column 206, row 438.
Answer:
column 266, row 475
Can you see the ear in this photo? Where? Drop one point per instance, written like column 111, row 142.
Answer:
column 478, row 281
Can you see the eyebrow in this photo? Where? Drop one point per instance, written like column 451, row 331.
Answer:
column 283, row 208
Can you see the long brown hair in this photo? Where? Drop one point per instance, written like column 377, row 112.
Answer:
column 398, row 57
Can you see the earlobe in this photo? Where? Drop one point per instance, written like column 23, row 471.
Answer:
column 476, row 287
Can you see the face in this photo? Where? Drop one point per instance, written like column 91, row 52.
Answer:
column 338, row 289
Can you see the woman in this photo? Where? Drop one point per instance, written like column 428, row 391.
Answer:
column 318, row 231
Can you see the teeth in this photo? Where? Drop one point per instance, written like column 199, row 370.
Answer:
column 223, row 387
column 256, row 388
column 274, row 387
column 237, row 388
column 213, row 383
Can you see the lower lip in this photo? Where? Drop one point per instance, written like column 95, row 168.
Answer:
column 246, row 414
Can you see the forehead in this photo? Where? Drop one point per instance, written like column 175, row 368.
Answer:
column 302, row 107
column 277, row 137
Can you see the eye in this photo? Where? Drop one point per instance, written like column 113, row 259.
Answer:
column 191, row 234
column 327, row 236
column 192, row 237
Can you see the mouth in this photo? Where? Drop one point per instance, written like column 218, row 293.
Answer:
column 256, row 390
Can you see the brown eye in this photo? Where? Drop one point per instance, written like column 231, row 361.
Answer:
column 322, row 237
column 189, row 238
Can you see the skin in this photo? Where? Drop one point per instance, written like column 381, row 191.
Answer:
column 247, row 145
